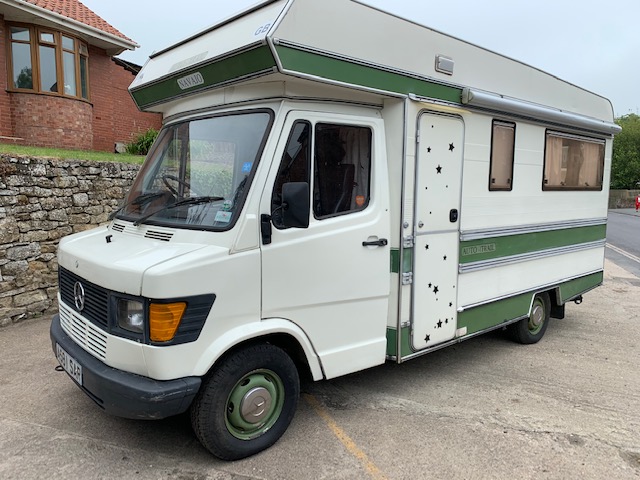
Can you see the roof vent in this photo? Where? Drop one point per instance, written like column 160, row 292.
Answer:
column 444, row 64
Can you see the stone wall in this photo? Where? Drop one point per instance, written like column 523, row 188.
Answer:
column 623, row 198
column 41, row 201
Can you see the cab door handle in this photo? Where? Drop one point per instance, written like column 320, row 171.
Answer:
column 383, row 242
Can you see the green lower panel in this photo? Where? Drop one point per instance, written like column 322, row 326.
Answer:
column 578, row 286
column 492, row 314
column 392, row 342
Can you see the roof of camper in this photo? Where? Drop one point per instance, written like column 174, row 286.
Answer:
column 340, row 42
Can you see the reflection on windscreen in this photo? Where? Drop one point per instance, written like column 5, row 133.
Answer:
column 198, row 173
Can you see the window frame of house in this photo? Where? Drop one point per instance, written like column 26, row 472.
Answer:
column 567, row 148
column 502, row 158
column 37, row 42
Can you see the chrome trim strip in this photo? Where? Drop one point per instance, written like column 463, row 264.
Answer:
column 540, row 288
column 482, row 234
column 524, row 257
column 400, row 324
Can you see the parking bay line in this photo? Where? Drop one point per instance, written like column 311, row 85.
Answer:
column 348, row 443
column 624, row 253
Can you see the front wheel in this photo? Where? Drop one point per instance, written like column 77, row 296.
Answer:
column 531, row 330
column 247, row 402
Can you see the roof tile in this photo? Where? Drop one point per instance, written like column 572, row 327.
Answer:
column 75, row 10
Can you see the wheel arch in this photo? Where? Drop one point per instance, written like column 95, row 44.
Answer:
column 279, row 332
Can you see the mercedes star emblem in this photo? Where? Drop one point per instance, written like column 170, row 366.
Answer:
column 78, row 296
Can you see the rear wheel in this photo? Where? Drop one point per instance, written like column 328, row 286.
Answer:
column 247, row 402
column 531, row 330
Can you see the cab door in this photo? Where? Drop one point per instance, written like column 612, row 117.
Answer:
column 332, row 276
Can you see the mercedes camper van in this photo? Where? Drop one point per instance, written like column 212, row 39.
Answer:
column 322, row 199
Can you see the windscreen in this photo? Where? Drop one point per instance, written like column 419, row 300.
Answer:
column 199, row 172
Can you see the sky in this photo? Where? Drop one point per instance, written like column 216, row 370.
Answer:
column 590, row 43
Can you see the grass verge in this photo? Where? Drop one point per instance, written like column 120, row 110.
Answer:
column 62, row 154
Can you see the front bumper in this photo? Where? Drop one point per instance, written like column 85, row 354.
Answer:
column 122, row 393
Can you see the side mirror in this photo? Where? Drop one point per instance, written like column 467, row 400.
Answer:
column 295, row 204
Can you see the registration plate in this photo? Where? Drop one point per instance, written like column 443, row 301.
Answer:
column 70, row 364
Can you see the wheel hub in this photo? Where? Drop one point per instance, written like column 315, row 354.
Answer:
column 255, row 405
column 537, row 315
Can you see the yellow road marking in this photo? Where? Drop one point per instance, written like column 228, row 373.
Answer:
column 348, row 443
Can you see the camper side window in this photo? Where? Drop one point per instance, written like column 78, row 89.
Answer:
column 342, row 170
column 502, row 155
column 294, row 167
column 573, row 162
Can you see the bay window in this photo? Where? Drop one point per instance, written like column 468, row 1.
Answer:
column 47, row 61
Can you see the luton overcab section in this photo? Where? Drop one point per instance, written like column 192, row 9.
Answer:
column 317, row 204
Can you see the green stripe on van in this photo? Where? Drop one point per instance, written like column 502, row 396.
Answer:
column 336, row 69
column 392, row 342
column 498, row 247
column 206, row 76
column 407, row 260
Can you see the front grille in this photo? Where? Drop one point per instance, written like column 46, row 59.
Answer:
column 96, row 298
column 88, row 336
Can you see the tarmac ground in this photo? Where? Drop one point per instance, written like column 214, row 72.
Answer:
column 565, row 408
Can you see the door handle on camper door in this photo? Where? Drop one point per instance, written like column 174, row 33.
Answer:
column 383, row 242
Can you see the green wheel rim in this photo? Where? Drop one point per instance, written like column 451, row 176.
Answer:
column 537, row 318
column 254, row 404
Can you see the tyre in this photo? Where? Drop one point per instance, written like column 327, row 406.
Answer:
column 247, row 402
column 531, row 330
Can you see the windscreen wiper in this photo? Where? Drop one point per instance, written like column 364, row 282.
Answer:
column 180, row 203
column 139, row 200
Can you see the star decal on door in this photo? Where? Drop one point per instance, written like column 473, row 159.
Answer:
column 439, row 169
column 451, row 147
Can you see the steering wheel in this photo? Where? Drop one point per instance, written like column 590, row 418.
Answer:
column 184, row 183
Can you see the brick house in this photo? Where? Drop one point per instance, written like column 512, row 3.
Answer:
column 60, row 85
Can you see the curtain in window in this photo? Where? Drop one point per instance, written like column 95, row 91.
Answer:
column 591, row 173
column 553, row 162
column 357, row 143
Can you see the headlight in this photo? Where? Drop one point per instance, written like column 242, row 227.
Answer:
column 131, row 315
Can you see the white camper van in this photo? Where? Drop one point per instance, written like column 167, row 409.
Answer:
column 326, row 195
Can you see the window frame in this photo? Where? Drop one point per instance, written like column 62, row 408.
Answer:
column 35, row 42
column 314, row 170
column 492, row 160
column 309, row 164
column 575, row 137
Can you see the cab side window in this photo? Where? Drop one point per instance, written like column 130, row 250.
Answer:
column 342, row 169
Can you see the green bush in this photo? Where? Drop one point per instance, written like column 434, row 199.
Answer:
column 142, row 142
